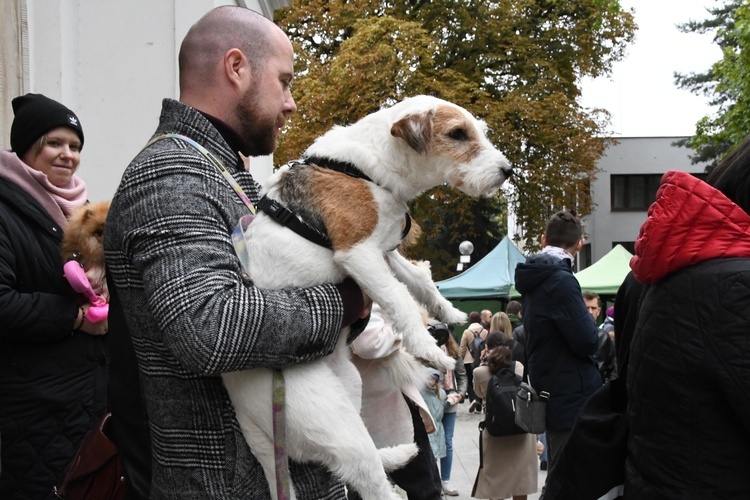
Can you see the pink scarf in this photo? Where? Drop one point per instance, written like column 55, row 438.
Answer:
column 59, row 202
column 448, row 381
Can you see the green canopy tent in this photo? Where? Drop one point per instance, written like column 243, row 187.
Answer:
column 606, row 275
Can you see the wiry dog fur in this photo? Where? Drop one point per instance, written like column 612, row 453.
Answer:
column 413, row 146
column 83, row 239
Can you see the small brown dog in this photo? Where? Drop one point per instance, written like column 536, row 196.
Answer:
column 83, row 242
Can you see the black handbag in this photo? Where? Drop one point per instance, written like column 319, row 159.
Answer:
column 531, row 406
column 96, row 471
column 531, row 410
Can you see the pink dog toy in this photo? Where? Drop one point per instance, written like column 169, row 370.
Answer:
column 76, row 276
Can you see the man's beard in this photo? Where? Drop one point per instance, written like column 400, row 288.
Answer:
column 259, row 132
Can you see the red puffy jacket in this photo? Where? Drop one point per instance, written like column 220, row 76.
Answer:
column 689, row 222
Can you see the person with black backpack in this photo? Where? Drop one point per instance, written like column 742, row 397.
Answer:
column 471, row 346
column 508, row 465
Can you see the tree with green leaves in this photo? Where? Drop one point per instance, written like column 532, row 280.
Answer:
column 726, row 84
column 516, row 64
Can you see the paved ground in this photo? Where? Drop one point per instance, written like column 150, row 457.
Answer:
column 466, row 454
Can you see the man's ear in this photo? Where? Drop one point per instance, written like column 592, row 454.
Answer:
column 236, row 67
column 578, row 246
column 544, row 240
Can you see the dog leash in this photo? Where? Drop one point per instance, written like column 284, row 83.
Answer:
column 283, row 490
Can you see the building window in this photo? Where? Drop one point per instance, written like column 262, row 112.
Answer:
column 634, row 192
column 584, row 258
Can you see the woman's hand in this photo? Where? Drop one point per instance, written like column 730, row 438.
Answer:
column 99, row 328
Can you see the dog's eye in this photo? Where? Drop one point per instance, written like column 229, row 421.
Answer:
column 458, row 134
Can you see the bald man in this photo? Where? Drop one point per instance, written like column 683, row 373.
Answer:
column 178, row 282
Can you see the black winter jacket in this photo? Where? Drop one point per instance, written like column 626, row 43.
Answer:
column 52, row 383
column 556, row 322
column 689, row 371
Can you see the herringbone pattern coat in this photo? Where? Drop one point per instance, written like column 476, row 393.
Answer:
column 192, row 317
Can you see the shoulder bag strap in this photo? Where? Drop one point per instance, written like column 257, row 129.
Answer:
column 219, row 166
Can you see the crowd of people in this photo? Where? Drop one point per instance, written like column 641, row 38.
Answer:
column 182, row 313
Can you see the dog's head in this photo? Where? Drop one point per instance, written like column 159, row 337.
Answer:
column 84, row 234
column 453, row 143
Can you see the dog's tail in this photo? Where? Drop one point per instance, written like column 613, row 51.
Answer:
column 396, row 457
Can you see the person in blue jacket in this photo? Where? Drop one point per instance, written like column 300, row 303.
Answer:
column 561, row 334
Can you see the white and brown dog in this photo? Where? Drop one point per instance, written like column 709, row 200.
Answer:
column 350, row 197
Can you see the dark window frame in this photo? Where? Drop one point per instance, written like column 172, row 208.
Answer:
column 629, row 191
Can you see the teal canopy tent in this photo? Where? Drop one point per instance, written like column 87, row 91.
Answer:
column 489, row 278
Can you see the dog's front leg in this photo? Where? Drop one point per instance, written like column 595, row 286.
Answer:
column 419, row 282
column 366, row 264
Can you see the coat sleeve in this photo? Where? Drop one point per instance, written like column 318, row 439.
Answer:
column 461, row 379
column 38, row 316
column 729, row 346
column 378, row 340
column 575, row 323
column 467, row 337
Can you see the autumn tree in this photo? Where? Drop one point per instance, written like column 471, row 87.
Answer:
column 516, row 64
column 726, row 83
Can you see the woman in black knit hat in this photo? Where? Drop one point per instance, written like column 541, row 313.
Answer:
column 52, row 361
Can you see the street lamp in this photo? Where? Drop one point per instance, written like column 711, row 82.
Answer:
column 465, row 248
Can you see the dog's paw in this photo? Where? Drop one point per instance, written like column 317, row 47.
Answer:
column 454, row 316
column 437, row 359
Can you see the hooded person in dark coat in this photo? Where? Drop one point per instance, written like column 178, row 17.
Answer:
column 688, row 379
column 560, row 333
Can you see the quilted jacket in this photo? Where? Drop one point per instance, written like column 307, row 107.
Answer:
column 556, row 323
column 52, row 383
column 192, row 316
column 689, row 374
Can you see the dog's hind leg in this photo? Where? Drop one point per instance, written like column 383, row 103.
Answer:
column 323, row 426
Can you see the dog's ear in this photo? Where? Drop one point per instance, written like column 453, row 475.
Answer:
column 416, row 130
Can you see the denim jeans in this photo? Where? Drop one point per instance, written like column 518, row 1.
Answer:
column 446, row 463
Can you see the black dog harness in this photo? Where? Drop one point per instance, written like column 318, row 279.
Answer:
column 288, row 218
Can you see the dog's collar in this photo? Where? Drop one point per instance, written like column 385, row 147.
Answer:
column 339, row 166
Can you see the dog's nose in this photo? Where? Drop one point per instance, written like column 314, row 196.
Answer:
column 507, row 171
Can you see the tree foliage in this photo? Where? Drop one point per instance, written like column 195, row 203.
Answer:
column 726, row 83
column 516, row 64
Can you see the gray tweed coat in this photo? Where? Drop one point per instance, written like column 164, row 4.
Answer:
column 192, row 317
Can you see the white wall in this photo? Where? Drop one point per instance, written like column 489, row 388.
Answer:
column 113, row 62
column 631, row 155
